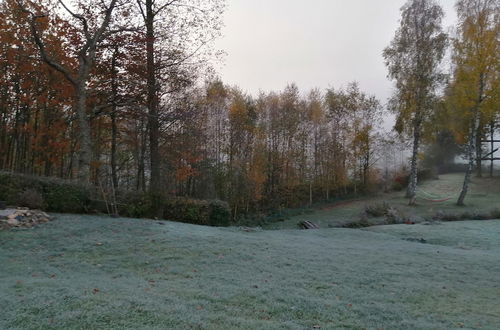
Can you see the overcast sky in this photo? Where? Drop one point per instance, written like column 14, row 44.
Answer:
column 315, row 43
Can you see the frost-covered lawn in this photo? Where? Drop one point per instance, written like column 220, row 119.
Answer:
column 483, row 196
column 86, row 272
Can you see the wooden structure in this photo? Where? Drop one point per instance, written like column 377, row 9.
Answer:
column 490, row 155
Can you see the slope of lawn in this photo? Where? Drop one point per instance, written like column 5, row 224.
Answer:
column 88, row 272
column 483, row 196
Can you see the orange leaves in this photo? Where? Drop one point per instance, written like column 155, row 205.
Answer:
column 185, row 172
column 185, row 164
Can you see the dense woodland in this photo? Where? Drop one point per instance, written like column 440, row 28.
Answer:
column 122, row 94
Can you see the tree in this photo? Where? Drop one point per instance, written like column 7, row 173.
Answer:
column 91, row 31
column 185, row 28
column 475, row 85
column 413, row 59
column 33, row 98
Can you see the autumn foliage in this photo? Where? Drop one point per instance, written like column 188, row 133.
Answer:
column 123, row 96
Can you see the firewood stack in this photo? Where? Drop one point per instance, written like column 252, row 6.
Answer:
column 22, row 217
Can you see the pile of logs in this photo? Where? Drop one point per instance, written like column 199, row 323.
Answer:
column 22, row 217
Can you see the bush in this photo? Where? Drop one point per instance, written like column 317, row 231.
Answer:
column 377, row 210
column 396, row 186
column 393, row 216
column 220, row 213
column 134, row 204
column 66, row 197
column 361, row 223
column 200, row 212
column 495, row 213
column 401, row 181
column 57, row 195
column 442, row 216
column 426, row 174
column 12, row 186
column 32, row 199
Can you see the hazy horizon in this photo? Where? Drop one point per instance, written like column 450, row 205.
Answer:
column 272, row 43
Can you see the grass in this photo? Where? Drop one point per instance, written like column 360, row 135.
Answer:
column 88, row 272
column 483, row 197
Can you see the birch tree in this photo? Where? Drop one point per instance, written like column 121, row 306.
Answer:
column 413, row 59
column 475, row 85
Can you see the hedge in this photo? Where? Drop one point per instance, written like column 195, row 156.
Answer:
column 196, row 211
column 57, row 195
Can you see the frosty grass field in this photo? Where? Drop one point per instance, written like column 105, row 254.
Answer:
column 89, row 272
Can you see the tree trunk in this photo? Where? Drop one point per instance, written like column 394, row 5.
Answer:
column 411, row 191
column 152, row 100
column 85, row 151
column 473, row 134
column 470, row 154
column 114, row 128
column 114, row 137
column 141, row 164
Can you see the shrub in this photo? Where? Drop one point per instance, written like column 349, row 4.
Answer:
column 12, row 186
column 200, row 212
column 442, row 216
column 401, row 180
column 377, row 210
column 220, row 213
column 67, row 197
column 134, row 204
column 393, row 216
column 58, row 195
column 32, row 199
column 396, row 186
column 361, row 223
column 426, row 174
column 495, row 213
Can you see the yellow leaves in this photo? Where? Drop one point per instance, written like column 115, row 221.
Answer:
column 317, row 113
column 238, row 111
column 476, row 58
column 257, row 173
column 216, row 90
column 316, row 110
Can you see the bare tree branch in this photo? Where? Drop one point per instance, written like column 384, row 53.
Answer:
column 41, row 46
column 79, row 17
column 169, row 3
column 140, row 4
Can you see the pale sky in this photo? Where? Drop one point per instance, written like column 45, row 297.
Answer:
column 314, row 43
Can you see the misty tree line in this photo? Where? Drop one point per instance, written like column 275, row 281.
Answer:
column 109, row 93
